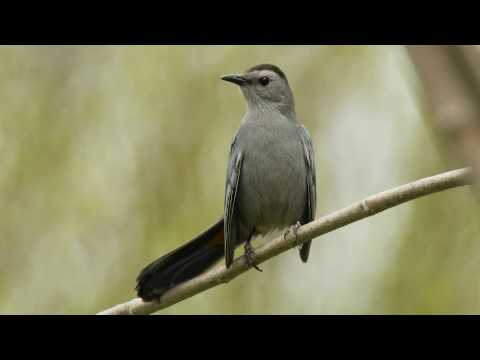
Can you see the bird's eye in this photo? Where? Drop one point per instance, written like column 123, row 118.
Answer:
column 264, row 80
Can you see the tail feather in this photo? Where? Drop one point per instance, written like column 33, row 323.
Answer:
column 181, row 264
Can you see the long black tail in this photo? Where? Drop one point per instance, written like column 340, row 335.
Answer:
column 181, row 264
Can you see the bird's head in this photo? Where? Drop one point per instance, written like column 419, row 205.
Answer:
column 264, row 86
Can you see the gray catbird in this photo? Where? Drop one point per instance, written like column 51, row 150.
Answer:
column 270, row 184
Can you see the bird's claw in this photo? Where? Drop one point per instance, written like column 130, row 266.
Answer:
column 249, row 256
column 294, row 229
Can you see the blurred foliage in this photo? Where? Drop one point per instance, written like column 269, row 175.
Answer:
column 112, row 156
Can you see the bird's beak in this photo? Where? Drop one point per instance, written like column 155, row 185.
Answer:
column 236, row 79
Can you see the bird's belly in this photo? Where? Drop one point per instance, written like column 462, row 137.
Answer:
column 272, row 189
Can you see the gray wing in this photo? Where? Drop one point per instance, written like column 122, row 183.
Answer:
column 309, row 213
column 231, row 229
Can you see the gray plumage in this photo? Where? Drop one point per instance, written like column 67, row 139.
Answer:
column 270, row 180
column 270, row 184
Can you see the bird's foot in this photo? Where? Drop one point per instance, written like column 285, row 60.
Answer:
column 294, row 230
column 249, row 253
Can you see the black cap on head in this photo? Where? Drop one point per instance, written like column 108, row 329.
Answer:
column 270, row 67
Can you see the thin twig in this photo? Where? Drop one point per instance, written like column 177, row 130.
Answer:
column 360, row 210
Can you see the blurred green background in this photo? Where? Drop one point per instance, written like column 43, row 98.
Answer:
column 112, row 155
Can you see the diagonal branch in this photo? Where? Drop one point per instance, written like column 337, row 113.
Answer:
column 360, row 210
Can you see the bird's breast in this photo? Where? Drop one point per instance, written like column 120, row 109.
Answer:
column 272, row 188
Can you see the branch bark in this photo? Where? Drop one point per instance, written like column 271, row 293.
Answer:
column 360, row 210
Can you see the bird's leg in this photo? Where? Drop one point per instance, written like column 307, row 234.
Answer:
column 294, row 229
column 249, row 253
column 295, row 232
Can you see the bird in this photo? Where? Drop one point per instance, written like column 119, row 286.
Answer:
column 270, row 185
